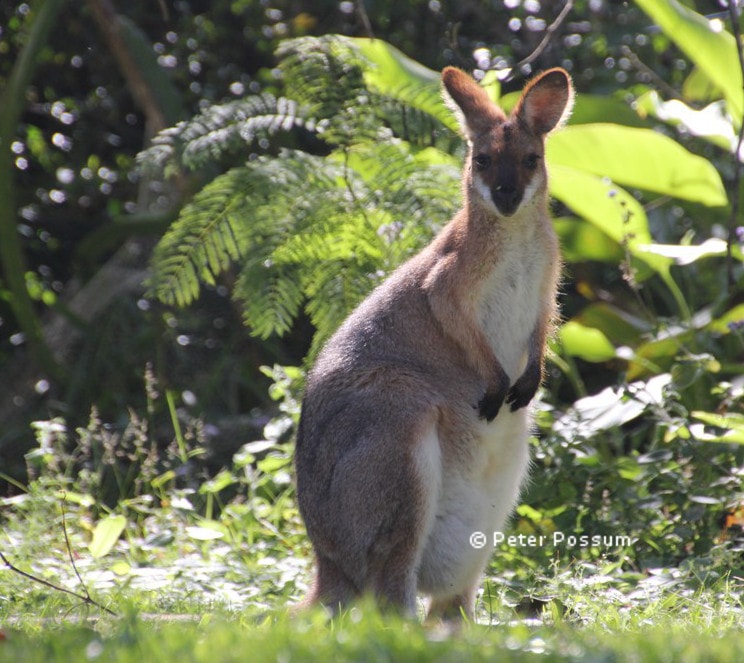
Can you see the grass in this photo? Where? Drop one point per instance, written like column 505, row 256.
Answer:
column 192, row 601
column 703, row 634
column 204, row 570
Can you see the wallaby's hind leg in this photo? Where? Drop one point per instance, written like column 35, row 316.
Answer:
column 331, row 587
column 370, row 511
column 454, row 607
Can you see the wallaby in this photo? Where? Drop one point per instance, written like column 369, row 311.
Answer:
column 414, row 427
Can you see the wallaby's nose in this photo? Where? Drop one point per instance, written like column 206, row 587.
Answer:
column 506, row 197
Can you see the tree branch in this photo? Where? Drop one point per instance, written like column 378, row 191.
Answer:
column 109, row 24
column 735, row 195
column 549, row 32
column 84, row 598
column 12, row 258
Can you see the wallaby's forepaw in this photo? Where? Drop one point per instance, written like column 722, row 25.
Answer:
column 522, row 392
column 490, row 404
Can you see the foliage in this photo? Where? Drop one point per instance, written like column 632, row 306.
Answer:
column 643, row 456
column 365, row 635
column 323, row 174
column 197, row 552
column 306, row 229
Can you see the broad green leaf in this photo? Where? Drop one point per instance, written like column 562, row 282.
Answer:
column 585, row 342
column 733, row 423
column 106, row 534
column 728, row 321
column 582, row 241
column 698, row 88
column 639, row 158
column 687, row 254
column 615, row 212
column 590, row 109
column 620, row 327
column 492, row 85
column 706, row 43
column 711, row 123
column 218, row 484
column 211, row 532
column 610, row 208
column 158, row 80
column 396, row 75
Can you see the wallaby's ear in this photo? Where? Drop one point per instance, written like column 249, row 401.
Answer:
column 546, row 101
column 474, row 110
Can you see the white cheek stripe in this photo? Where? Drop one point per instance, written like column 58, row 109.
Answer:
column 483, row 191
column 530, row 189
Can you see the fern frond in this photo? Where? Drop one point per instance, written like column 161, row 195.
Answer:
column 302, row 229
column 275, row 297
column 223, row 129
column 205, row 238
column 332, row 294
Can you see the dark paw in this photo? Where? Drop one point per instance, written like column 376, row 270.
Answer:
column 490, row 404
column 521, row 393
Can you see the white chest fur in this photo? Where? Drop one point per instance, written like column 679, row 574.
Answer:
column 510, row 303
column 474, row 500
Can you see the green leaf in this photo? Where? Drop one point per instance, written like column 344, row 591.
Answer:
column 211, row 532
column 711, row 123
column 587, row 343
column 159, row 83
column 106, row 534
column 706, row 43
column 204, row 240
column 218, row 484
column 732, row 318
column 683, row 254
column 618, row 214
column 619, row 326
column 733, row 423
column 396, row 75
column 609, row 207
column 581, row 241
column 639, row 158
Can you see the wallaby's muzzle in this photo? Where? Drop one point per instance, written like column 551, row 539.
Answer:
column 506, row 196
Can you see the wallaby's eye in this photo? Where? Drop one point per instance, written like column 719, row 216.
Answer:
column 482, row 161
column 531, row 161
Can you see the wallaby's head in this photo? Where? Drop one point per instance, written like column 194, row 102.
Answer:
column 505, row 166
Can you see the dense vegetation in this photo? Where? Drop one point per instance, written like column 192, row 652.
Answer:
column 157, row 312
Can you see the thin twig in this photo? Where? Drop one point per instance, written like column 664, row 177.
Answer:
column 362, row 11
column 453, row 35
column 51, row 585
column 734, row 14
column 642, row 67
column 549, row 32
column 85, row 598
column 70, row 555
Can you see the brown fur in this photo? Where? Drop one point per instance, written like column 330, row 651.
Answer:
column 396, row 457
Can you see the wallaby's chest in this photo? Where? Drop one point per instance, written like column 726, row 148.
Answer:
column 509, row 303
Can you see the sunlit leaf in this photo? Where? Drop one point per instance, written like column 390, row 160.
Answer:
column 585, row 342
column 732, row 423
column 711, row 122
column 687, row 254
column 205, row 533
column 639, row 158
column 106, row 534
column 706, row 43
column 729, row 321
column 619, row 326
column 398, row 76
column 581, row 241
